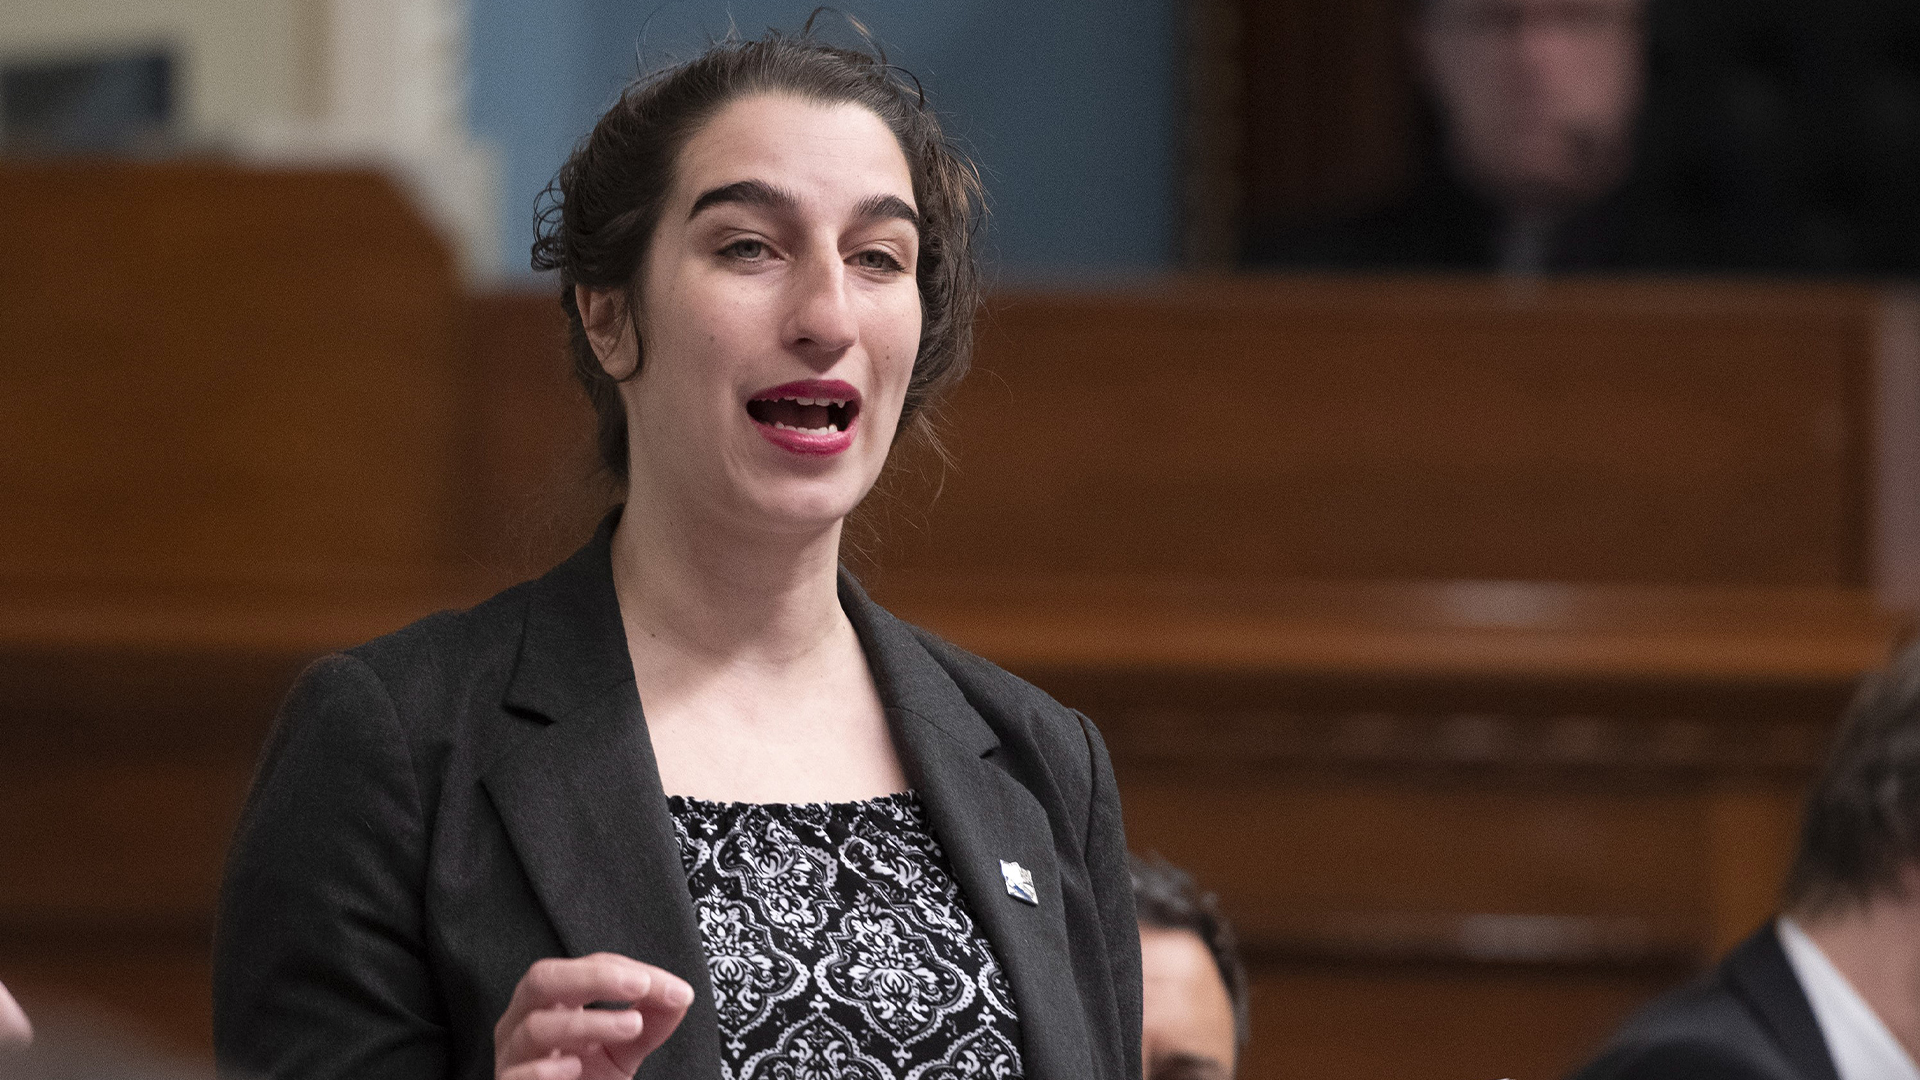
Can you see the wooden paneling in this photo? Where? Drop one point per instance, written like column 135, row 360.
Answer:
column 1278, row 428
column 1296, row 110
column 1473, row 644
column 1298, row 852
column 230, row 416
column 141, row 841
column 108, row 875
column 1329, row 105
column 532, row 489
column 218, row 374
column 1464, row 828
column 1457, row 629
column 1365, row 1022
column 151, row 988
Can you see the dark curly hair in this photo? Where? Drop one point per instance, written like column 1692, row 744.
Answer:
column 599, row 214
column 1862, row 821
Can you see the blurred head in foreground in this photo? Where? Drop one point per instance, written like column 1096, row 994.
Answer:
column 1538, row 97
column 1195, row 991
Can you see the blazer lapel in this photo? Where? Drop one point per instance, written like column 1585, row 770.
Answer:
column 1759, row 971
column 581, row 798
column 982, row 816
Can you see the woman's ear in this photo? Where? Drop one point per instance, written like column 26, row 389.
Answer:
column 605, row 316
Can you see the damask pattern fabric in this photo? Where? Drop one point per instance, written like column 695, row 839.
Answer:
column 839, row 945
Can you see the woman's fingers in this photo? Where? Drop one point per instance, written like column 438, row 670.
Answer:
column 662, row 1013
column 602, row 977
column 569, row 1031
column 603, row 1011
column 551, row 1068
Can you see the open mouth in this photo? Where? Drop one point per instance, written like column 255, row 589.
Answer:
column 806, row 413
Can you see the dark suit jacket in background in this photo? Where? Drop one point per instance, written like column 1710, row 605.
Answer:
column 440, row 808
column 1438, row 226
column 1441, row 225
column 1748, row 1019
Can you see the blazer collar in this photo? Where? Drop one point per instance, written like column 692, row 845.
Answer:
column 983, row 818
column 1758, row 971
column 582, row 801
column 574, row 647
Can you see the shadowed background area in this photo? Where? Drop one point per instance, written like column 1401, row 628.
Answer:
column 1471, row 634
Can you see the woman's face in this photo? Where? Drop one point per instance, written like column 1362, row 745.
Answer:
column 780, row 315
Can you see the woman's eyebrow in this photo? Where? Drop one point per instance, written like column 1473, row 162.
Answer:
column 750, row 192
column 887, row 206
column 762, row 194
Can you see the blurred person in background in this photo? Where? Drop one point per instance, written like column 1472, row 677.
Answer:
column 1537, row 102
column 1195, row 1022
column 1831, row 989
column 15, row 1030
column 1645, row 135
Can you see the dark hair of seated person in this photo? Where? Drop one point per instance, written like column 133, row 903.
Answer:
column 1862, row 820
column 1165, row 896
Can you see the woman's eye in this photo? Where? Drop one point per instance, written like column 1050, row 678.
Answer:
column 745, row 249
column 875, row 259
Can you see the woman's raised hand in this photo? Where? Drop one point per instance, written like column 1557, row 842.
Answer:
column 549, row 1032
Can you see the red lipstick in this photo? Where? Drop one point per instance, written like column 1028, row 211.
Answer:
column 813, row 417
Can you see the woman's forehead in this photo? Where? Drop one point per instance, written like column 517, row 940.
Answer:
column 830, row 152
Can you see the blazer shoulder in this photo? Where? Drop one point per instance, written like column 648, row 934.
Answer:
column 435, row 658
column 1021, row 714
column 1701, row 1030
column 1685, row 1060
column 985, row 682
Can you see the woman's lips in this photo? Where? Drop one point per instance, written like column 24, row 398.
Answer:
column 813, row 417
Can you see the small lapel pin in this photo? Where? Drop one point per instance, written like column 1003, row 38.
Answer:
column 1019, row 882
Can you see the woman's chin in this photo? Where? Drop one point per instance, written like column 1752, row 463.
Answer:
column 794, row 508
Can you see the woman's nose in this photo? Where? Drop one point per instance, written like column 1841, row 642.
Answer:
column 822, row 319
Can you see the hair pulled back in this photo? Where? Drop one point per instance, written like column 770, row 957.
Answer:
column 599, row 214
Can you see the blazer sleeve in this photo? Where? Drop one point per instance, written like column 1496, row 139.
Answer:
column 320, row 966
column 1108, row 869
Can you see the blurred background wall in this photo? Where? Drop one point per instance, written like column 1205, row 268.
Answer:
column 1072, row 108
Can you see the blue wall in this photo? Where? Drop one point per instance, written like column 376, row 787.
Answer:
column 1069, row 106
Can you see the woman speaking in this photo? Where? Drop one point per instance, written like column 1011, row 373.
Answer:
column 692, row 805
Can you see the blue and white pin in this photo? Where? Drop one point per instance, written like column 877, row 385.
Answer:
column 1019, row 882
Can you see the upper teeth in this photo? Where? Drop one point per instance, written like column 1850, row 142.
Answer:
column 837, row 402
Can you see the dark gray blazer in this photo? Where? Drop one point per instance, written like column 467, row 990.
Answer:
column 440, row 808
column 1747, row 1019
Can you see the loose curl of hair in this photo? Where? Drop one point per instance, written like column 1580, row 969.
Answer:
column 598, row 216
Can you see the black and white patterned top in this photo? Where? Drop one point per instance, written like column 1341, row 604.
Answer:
column 839, row 945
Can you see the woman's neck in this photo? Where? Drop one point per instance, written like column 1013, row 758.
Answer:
column 713, row 593
column 753, row 681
